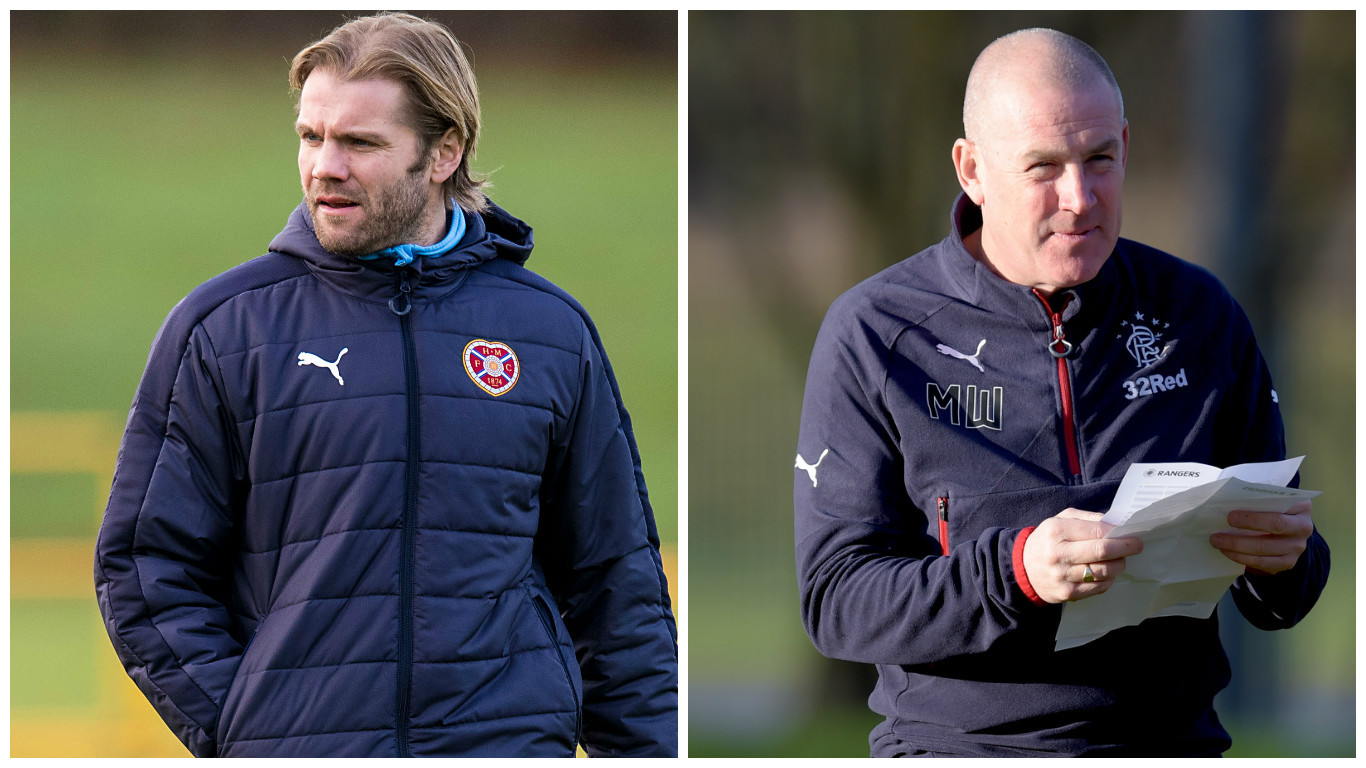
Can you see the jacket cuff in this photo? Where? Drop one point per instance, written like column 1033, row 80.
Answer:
column 1017, row 561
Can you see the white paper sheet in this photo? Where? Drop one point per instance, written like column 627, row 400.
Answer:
column 1175, row 508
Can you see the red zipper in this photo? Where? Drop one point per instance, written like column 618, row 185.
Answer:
column 1059, row 347
column 943, row 503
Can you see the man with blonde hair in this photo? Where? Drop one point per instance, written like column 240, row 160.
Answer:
column 975, row 407
column 378, row 493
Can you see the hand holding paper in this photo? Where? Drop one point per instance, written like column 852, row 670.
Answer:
column 1267, row 542
column 1177, row 509
column 1063, row 545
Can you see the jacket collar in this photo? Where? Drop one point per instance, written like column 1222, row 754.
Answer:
column 404, row 253
column 489, row 235
column 978, row 285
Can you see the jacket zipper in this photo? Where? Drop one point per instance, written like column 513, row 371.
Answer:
column 1060, row 348
column 402, row 305
column 943, row 503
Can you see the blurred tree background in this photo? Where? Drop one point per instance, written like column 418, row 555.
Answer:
column 819, row 153
column 150, row 151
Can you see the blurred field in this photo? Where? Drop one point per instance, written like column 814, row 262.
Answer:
column 136, row 177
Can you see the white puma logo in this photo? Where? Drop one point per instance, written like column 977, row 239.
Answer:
column 951, row 352
column 308, row 358
column 811, row 468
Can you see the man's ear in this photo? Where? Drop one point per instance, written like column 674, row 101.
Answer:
column 447, row 152
column 966, row 162
column 1124, row 157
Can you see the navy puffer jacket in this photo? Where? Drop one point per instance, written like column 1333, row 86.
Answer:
column 362, row 510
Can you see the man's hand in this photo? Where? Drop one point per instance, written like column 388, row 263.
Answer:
column 1265, row 542
column 1059, row 550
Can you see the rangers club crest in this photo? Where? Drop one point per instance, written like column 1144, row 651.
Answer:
column 1145, row 337
column 492, row 365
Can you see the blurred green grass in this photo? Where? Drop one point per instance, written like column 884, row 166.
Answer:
column 835, row 732
column 46, row 636
column 53, row 505
column 134, row 179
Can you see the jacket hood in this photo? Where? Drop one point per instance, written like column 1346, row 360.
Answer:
column 492, row 234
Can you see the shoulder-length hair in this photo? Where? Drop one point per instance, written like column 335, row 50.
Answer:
column 426, row 59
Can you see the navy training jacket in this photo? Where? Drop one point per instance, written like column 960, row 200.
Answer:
column 937, row 425
column 362, row 510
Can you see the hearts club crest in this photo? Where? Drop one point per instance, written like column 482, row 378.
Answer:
column 492, row 366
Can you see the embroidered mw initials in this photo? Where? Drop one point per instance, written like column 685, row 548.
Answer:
column 811, row 468
column 980, row 408
column 308, row 358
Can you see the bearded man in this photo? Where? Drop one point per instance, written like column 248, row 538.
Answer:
column 379, row 494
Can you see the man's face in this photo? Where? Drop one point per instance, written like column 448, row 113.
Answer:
column 365, row 179
column 1048, row 173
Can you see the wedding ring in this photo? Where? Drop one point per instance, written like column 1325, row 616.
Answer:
column 1087, row 575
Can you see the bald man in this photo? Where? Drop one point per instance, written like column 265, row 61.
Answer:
column 974, row 408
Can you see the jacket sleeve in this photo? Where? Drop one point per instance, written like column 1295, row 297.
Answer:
column 159, row 561
column 600, row 550
column 1250, row 429
column 874, row 586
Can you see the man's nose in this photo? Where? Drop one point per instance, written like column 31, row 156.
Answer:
column 1074, row 190
column 329, row 161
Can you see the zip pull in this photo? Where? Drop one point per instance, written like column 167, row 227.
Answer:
column 1058, row 346
column 402, row 303
column 943, row 504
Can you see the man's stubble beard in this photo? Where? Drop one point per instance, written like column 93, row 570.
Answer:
column 393, row 217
